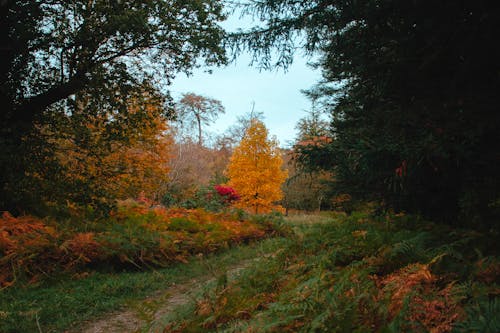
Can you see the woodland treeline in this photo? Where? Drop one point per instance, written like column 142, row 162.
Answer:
column 405, row 114
column 410, row 89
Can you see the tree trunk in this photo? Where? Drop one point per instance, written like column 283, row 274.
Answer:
column 198, row 120
column 320, row 200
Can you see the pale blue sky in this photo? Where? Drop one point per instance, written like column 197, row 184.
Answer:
column 276, row 94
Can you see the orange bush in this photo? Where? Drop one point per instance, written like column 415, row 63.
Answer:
column 23, row 231
column 25, row 243
column 399, row 284
column 436, row 314
column 81, row 249
column 135, row 234
column 429, row 307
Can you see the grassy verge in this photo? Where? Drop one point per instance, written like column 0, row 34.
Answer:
column 57, row 306
column 358, row 274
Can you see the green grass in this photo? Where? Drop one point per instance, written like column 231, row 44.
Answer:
column 55, row 306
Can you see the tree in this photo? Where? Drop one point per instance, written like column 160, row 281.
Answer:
column 53, row 50
column 192, row 166
column 77, row 43
column 195, row 162
column 92, row 161
column 255, row 170
column 307, row 187
column 411, row 88
column 308, row 191
column 235, row 133
column 196, row 110
column 312, row 126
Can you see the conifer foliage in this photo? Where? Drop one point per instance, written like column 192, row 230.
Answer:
column 255, row 170
column 412, row 92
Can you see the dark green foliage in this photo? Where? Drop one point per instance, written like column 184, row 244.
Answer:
column 411, row 88
column 482, row 316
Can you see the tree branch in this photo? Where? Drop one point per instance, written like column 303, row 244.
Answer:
column 26, row 111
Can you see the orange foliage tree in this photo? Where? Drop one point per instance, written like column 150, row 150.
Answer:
column 104, row 157
column 255, row 170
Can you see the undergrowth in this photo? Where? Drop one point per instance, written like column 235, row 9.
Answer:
column 358, row 273
column 56, row 306
column 135, row 236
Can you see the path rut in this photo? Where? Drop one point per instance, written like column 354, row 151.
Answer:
column 150, row 310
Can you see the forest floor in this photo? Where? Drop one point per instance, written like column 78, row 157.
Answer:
column 120, row 301
column 331, row 273
column 356, row 273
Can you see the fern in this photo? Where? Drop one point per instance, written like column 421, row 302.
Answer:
column 413, row 249
column 482, row 316
column 336, row 277
column 398, row 323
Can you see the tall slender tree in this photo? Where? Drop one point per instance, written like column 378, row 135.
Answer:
column 196, row 111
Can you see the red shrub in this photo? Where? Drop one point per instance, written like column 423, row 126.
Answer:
column 227, row 193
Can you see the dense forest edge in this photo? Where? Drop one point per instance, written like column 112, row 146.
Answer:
column 105, row 174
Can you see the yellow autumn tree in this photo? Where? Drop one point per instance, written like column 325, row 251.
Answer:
column 104, row 157
column 255, row 170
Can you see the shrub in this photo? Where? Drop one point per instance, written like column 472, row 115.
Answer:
column 135, row 235
column 214, row 198
column 28, row 247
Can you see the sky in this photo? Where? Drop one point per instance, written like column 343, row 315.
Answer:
column 275, row 93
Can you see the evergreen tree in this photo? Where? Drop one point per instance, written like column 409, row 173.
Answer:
column 411, row 87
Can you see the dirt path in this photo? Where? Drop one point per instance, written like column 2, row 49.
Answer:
column 153, row 308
